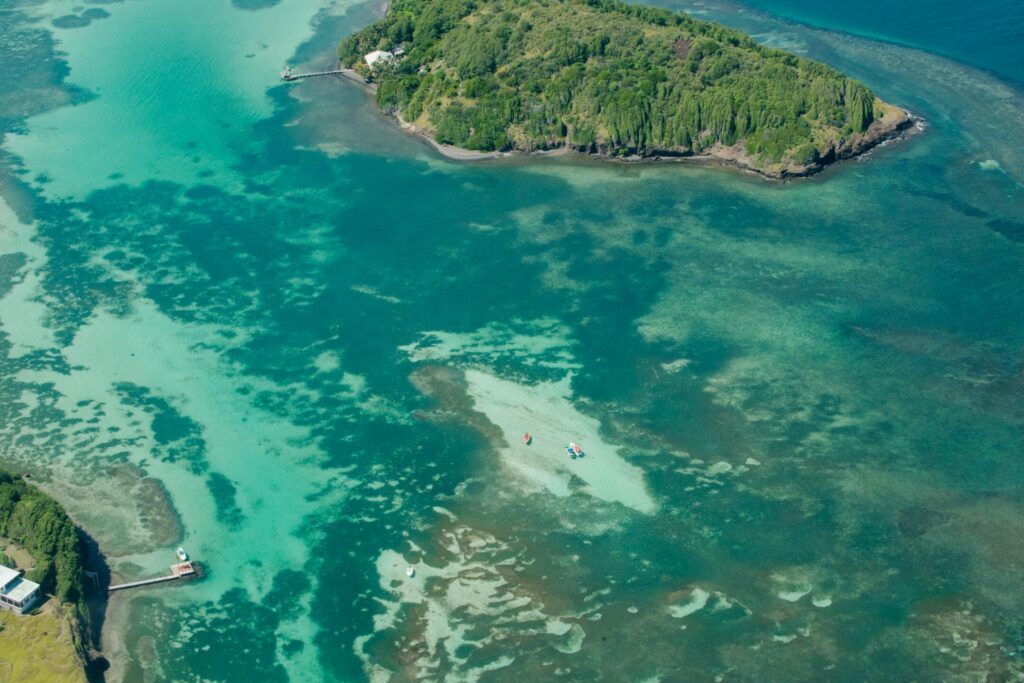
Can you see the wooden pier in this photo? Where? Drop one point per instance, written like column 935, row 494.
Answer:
column 182, row 570
column 287, row 75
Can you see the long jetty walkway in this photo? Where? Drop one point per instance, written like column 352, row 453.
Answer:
column 289, row 76
column 182, row 570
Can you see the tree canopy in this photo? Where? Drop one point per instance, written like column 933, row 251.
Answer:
column 602, row 75
column 38, row 523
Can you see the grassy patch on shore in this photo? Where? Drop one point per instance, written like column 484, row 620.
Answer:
column 39, row 648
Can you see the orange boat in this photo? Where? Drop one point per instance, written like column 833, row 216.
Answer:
column 527, row 438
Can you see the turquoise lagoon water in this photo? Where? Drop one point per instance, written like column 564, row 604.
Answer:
column 256, row 319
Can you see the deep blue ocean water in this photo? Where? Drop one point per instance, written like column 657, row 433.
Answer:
column 259, row 320
column 987, row 35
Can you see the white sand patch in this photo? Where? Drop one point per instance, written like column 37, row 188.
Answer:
column 794, row 585
column 327, row 361
column 698, row 600
column 541, row 342
column 753, row 462
column 720, row 467
column 574, row 635
column 676, row 365
column 372, row 291
column 793, row 595
column 821, row 601
column 989, row 165
column 546, row 411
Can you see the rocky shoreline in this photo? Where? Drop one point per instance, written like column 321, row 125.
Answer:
column 894, row 125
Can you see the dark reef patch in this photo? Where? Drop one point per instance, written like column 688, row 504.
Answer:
column 254, row 5
column 80, row 20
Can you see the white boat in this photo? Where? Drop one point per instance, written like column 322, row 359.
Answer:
column 182, row 555
column 410, row 571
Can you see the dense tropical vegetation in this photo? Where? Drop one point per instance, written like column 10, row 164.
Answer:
column 602, row 75
column 38, row 523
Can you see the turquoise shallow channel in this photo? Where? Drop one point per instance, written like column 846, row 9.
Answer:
column 256, row 319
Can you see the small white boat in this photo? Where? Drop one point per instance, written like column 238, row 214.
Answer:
column 182, row 555
column 410, row 571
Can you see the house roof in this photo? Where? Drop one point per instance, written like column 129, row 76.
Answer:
column 21, row 589
column 6, row 576
column 377, row 55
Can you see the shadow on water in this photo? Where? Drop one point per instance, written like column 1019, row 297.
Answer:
column 97, row 580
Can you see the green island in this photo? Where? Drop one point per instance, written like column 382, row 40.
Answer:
column 47, row 644
column 608, row 78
